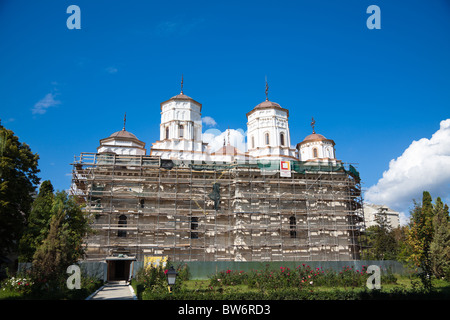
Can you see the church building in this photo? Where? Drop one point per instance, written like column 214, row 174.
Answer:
column 183, row 201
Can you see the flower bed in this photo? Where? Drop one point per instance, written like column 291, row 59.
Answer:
column 303, row 276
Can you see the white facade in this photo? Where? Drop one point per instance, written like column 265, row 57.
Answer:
column 122, row 142
column 268, row 137
column 371, row 211
column 268, row 133
column 316, row 147
column 180, row 130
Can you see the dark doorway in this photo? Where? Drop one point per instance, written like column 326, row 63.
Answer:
column 118, row 270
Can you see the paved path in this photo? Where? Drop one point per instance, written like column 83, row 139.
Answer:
column 116, row 290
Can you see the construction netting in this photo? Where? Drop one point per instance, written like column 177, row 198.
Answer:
column 296, row 166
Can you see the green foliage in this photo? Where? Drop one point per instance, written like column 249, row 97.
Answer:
column 63, row 243
column 24, row 287
column 153, row 280
column 381, row 242
column 440, row 246
column 38, row 222
column 303, row 277
column 428, row 238
column 18, row 178
column 19, row 284
column 397, row 293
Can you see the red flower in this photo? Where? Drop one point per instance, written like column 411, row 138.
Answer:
column 165, row 271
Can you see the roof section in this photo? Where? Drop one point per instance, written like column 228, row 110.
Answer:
column 228, row 150
column 268, row 105
column 182, row 97
column 315, row 137
column 124, row 136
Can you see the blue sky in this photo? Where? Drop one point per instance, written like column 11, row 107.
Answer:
column 373, row 92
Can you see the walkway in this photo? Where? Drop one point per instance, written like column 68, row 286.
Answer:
column 115, row 290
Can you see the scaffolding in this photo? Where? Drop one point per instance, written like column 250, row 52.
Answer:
column 145, row 206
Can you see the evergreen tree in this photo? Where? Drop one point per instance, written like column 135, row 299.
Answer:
column 38, row 222
column 420, row 236
column 400, row 236
column 440, row 246
column 63, row 243
column 380, row 239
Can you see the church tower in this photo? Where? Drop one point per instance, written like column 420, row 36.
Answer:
column 315, row 147
column 268, row 134
column 180, row 129
column 122, row 142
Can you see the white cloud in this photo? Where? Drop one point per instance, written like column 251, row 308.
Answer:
column 42, row 105
column 404, row 219
column 215, row 138
column 424, row 165
column 210, row 122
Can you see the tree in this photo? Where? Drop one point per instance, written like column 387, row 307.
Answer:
column 380, row 239
column 440, row 246
column 38, row 222
column 420, row 236
column 400, row 236
column 63, row 243
column 421, row 230
column 18, row 180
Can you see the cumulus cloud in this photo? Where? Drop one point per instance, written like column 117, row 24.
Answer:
column 210, row 122
column 215, row 138
column 424, row 165
column 42, row 105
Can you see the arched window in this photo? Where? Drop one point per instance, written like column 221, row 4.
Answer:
column 330, row 153
column 266, row 138
column 282, row 138
column 181, row 130
column 315, row 154
column 122, row 223
column 167, row 132
column 194, row 226
column 293, row 227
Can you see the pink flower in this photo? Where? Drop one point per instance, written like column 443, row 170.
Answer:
column 165, row 271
